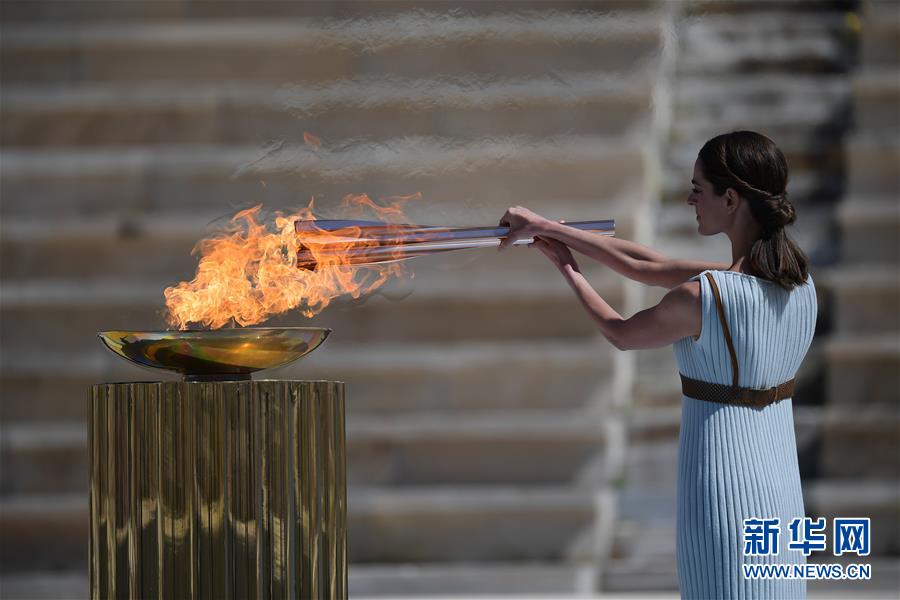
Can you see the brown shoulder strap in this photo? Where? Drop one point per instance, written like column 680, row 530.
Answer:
column 725, row 330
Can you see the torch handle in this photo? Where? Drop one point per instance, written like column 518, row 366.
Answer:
column 379, row 243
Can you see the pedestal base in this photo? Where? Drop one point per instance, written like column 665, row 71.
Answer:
column 218, row 490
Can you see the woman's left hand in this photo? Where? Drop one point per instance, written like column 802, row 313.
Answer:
column 522, row 223
column 558, row 253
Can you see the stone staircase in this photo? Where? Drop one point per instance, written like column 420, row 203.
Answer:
column 863, row 350
column 485, row 432
column 782, row 69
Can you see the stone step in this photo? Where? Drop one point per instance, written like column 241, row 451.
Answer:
column 426, row 525
column 872, row 161
column 790, row 106
column 870, row 230
column 56, row 11
column 809, row 41
column 45, row 458
column 847, row 436
column 383, row 378
column 637, row 578
column 364, row 108
column 877, row 98
column 879, row 500
column 865, row 298
column 66, row 314
column 643, row 557
column 452, row 176
column 44, row 532
column 536, row 449
column 465, row 450
column 557, row 580
column 155, row 249
column 652, row 465
column 880, row 42
column 553, row 581
column 408, row 44
column 862, row 370
column 657, row 386
column 644, row 538
column 47, row 585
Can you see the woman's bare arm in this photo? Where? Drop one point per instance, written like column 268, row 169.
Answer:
column 675, row 317
column 633, row 260
column 628, row 258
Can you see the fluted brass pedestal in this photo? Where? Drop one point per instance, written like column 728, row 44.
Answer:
column 218, row 490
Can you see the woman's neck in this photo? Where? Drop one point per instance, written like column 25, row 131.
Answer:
column 742, row 238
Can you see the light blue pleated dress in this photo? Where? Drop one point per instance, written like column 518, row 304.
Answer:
column 737, row 462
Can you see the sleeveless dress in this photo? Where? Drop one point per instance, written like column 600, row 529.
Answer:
column 738, row 462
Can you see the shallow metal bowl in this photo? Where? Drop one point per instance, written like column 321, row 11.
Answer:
column 220, row 354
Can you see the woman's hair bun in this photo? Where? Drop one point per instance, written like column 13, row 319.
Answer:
column 781, row 210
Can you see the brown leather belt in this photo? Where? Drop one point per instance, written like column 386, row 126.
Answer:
column 740, row 396
column 732, row 394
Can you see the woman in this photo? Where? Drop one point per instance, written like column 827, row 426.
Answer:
column 740, row 332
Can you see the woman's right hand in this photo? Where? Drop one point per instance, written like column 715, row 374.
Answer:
column 522, row 223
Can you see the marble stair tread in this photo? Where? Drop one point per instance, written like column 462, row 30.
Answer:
column 848, row 345
column 549, row 579
column 865, row 297
column 868, row 211
column 141, row 11
column 876, row 94
column 811, row 40
column 872, row 159
column 862, row 370
column 425, row 152
column 312, row 50
column 362, row 34
column 383, row 378
column 375, row 108
column 622, row 580
column 881, row 44
column 792, row 104
column 37, row 316
column 469, row 450
column 485, row 524
column 870, row 228
column 491, row 174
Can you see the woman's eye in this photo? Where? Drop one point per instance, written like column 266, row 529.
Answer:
column 695, row 191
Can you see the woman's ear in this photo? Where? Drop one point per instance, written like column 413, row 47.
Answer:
column 732, row 200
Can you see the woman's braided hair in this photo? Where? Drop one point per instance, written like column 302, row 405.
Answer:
column 752, row 165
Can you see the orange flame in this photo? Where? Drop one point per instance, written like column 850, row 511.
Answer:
column 249, row 273
column 312, row 141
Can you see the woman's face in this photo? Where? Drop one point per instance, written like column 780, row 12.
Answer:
column 711, row 209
